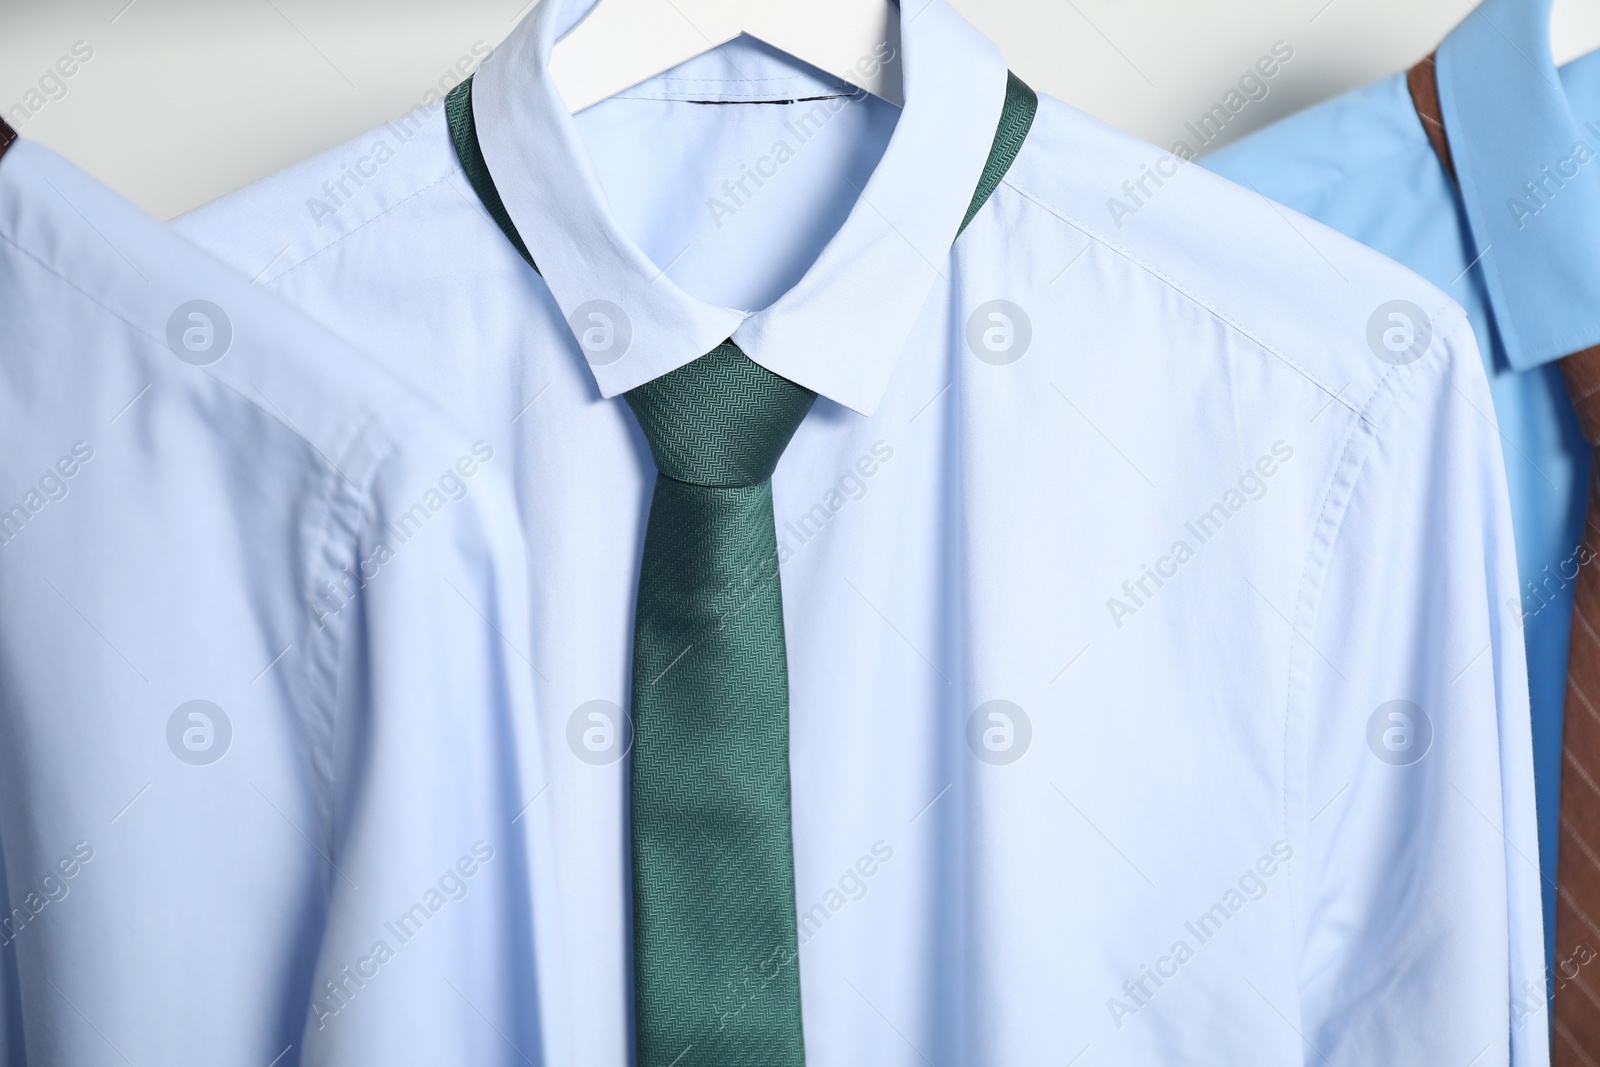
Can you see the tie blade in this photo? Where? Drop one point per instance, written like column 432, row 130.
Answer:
column 715, row 943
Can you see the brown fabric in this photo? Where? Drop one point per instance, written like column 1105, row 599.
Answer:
column 7, row 135
column 1576, row 980
column 1423, row 81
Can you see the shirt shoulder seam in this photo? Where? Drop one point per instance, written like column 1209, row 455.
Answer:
column 318, row 671
column 349, row 511
column 1344, row 481
column 335, row 242
column 1193, row 297
column 1331, row 514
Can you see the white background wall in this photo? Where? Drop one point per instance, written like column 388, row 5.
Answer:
column 186, row 99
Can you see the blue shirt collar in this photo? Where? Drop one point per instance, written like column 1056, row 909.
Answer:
column 1529, row 173
column 840, row 330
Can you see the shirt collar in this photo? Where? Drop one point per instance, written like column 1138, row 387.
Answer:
column 840, row 329
column 1529, row 179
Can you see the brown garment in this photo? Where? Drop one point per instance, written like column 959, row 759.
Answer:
column 1577, row 986
column 1423, row 81
column 1577, row 1008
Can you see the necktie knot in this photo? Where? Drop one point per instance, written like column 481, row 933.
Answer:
column 721, row 421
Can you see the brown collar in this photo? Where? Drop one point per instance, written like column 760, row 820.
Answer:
column 1423, row 81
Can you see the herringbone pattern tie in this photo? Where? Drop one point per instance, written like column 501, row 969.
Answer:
column 1577, row 987
column 716, row 980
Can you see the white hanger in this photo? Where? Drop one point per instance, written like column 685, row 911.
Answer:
column 1574, row 30
column 624, row 42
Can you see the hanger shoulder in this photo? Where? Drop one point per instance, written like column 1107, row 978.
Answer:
column 624, row 42
column 857, row 41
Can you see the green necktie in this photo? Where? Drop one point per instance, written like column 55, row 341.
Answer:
column 716, row 981
column 713, row 866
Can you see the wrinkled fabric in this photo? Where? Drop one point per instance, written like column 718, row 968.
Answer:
column 1363, row 165
column 265, row 760
column 1105, row 553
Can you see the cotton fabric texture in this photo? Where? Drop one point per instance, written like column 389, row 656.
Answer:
column 1106, row 553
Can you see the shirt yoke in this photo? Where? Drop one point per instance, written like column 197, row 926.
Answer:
column 1301, row 292
column 289, row 217
column 1313, row 153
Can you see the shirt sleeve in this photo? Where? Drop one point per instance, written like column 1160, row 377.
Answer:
column 1418, row 904
column 429, row 953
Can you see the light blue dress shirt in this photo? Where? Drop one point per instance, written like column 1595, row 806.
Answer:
column 1106, row 553
column 264, row 772
column 1518, row 246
